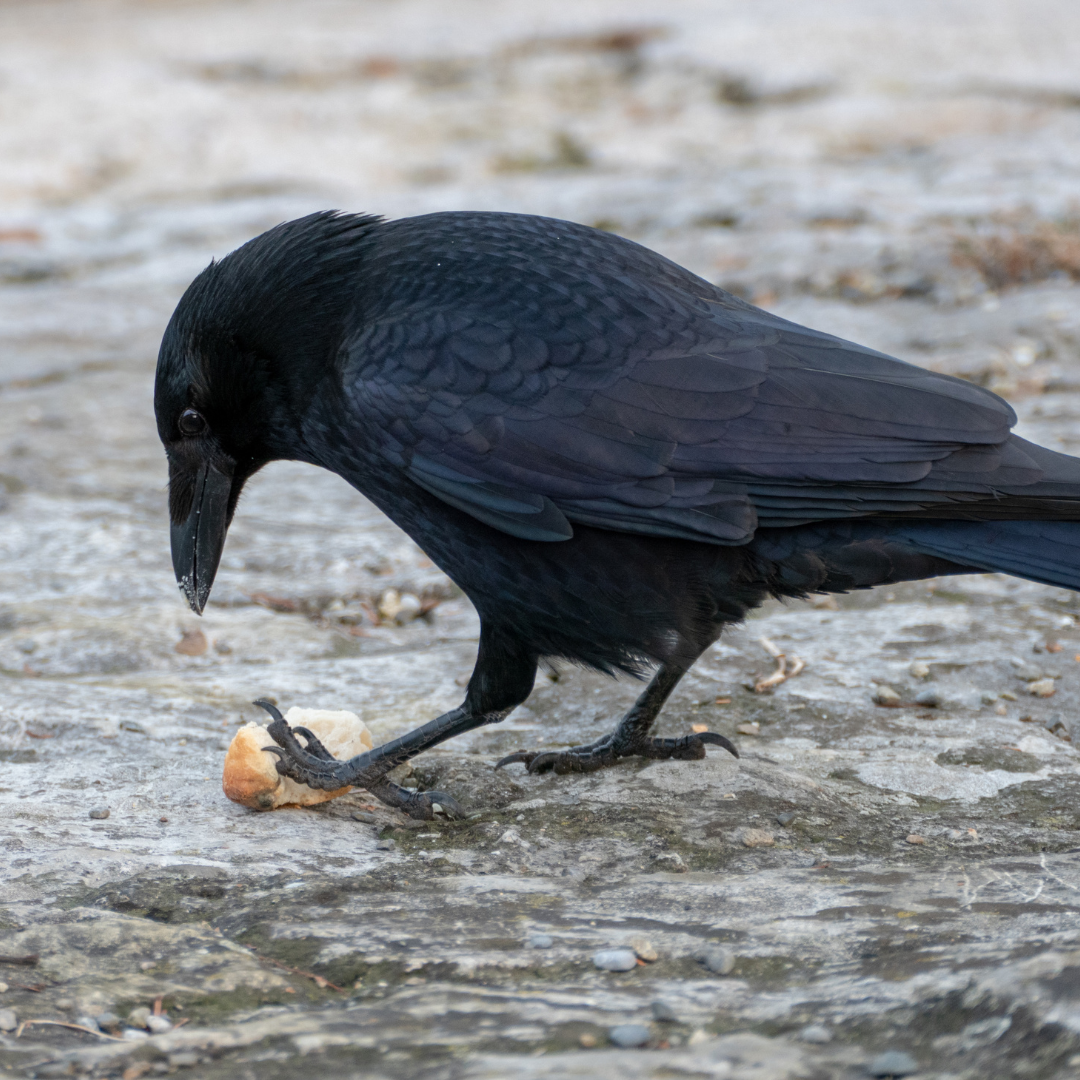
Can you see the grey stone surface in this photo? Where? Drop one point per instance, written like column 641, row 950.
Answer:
column 874, row 170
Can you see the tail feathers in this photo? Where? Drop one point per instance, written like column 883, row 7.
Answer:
column 1044, row 551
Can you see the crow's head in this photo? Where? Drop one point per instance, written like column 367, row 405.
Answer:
column 246, row 350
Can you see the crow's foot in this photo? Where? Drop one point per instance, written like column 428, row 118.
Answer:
column 606, row 752
column 425, row 805
column 312, row 764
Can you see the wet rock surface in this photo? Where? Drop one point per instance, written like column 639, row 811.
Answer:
column 888, row 879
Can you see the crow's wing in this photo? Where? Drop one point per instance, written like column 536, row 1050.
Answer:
column 535, row 373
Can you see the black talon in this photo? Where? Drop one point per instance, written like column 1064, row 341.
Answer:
column 270, row 707
column 524, row 756
column 314, row 747
column 718, row 740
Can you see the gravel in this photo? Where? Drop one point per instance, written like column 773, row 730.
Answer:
column 629, row 1035
column 615, row 959
column 719, row 960
column 893, row 1063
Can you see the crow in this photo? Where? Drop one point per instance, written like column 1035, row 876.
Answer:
column 612, row 457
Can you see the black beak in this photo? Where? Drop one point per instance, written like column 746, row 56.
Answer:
column 197, row 542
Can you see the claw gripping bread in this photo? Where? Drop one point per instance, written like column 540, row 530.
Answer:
column 251, row 775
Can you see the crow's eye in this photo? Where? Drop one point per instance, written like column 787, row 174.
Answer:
column 191, row 423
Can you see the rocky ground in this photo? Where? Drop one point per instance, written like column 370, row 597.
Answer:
column 886, row 883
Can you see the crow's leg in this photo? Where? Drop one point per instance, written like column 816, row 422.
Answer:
column 502, row 679
column 630, row 737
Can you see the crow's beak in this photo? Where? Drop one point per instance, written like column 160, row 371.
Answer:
column 197, row 542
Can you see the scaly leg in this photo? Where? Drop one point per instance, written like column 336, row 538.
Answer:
column 630, row 738
column 502, row 679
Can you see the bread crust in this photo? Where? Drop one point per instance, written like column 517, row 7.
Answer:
column 251, row 778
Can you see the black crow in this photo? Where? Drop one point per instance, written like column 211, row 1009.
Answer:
column 611, row 457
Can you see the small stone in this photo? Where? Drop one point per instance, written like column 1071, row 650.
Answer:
column 718, row 960
column 587, row 1040
column 134, row 1034
column 751, row 727
column 1042, row 688
column 1008, row 695
column 1001, row 710
column 8, row 1020
column 815, row 1033
column 915, row 838
column 3, row 987
column 887, row 696
column 158, row 1025
column 920, row 669
column 786, row 818
column 138, row 1017
column 364, row 815
column 758, row 838
column 615, row 959
column 107, row 1021
column 893, row 1063
column 987, row 698
column 183, row 1059
column 928, row 699
column 671, row 861
column 540, row 941
column 385, row 845
column 192, row 643
column 629, row 1035
column 87, row 1022
column 99, row 813
column 663, row 1012
column 644, row 949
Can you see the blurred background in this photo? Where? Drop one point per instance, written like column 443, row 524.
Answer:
column 860, row 151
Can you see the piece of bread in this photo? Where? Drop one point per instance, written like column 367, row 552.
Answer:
column 251, row 775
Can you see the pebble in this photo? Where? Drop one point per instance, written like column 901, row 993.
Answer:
column 987, row 698
column 541, row 941
column 628, row 1035
column 663, row 1012
column 893, row 1063
column 1007, row 695
column 138, row 1017
column 3, row 987
column 87, row 1022
column 364, row 815
column 134, row 1034
column 158, row 1025
column 929, row 699
column 645, row 949
column 920, row 669
column 385, row 845
column 815, row 1033
column 107, row 1021
column 758, row 838
column 8, row 1020
column 915, row 838
column 99, row 813
column 184, row 1059
column 1042, row 688
column 719, row 960
column 886, row 695
column 587, row 1040
column 615, row 959
column 750, row 727
column 671, row 861
column 786, row 818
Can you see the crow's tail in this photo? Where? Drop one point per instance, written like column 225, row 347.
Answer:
column 1046, row 551
column 835, row 556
